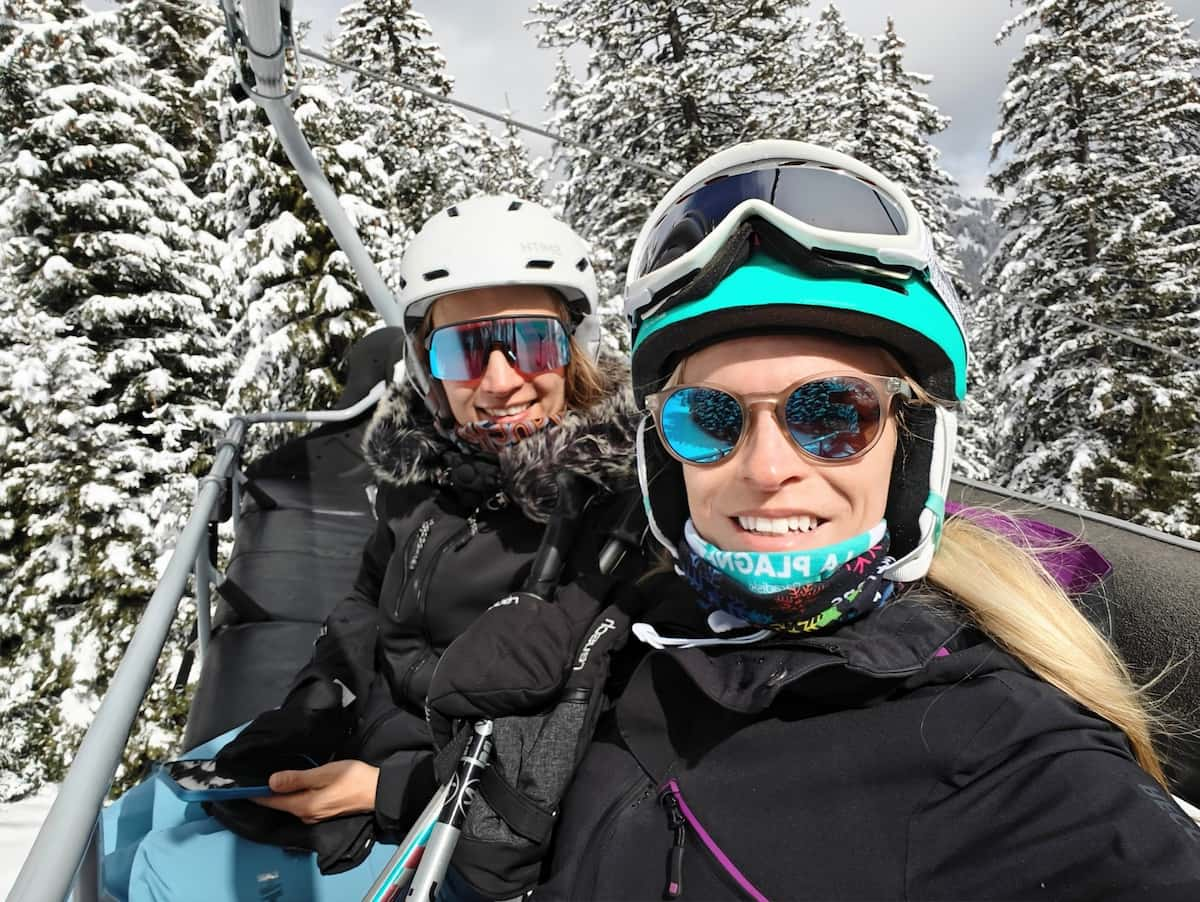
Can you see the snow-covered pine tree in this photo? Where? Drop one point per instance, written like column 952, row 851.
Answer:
column 1089, row 158
column 976, row 232
column 294, row 304
column 413, row 136
column 497, row 164
column 101, row 385
column 667, row 84
column 174, row 44
column 870, row 106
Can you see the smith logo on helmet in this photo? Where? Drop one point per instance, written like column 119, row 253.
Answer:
column 538, row 247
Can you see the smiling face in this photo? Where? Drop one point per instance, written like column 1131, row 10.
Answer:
column 767, row 496
column 502, row 394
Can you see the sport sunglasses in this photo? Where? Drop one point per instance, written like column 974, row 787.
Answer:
column 530, row 344
column 829, row 417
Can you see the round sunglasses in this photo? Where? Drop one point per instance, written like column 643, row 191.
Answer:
column 829, row 417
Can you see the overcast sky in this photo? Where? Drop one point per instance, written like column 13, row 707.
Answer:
column 496, row 62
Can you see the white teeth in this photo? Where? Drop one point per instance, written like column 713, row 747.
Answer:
column 506, row 411
column 778, row 525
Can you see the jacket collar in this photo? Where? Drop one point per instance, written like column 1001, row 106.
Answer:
column 863, row 658
column 404, row 448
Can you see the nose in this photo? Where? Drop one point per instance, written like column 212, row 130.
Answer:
column 768, row 459
column 500, row 378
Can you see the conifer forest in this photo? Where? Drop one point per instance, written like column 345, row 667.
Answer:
column 162, row 268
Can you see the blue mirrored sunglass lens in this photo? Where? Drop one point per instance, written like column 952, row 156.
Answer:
column 833, row 418
column 535, row 345
column 701, row 425
column 539, row 345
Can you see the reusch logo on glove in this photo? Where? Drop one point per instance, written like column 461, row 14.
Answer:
column 506, row 600
column 607, row 625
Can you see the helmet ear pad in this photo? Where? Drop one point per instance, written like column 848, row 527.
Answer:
column 416, row 370
column 664, row 491
column 909, row 486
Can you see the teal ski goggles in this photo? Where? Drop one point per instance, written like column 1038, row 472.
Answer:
column 530, row 344
column 829, row 417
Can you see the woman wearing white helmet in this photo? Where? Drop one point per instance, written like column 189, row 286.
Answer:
column 499, row 394
column 841, row 694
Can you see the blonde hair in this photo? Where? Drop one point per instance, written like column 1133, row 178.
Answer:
column 1005, row 590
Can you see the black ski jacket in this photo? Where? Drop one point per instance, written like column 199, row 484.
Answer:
column 455, row 533
column 902, row 757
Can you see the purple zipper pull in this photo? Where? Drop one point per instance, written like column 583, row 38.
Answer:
column 677, row 823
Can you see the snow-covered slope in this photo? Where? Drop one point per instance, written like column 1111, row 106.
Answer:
column 19, row 823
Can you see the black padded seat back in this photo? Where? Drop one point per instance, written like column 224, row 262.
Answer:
column 248, row 669
column 1153, row 605
column 295, row 556
column 298, row 559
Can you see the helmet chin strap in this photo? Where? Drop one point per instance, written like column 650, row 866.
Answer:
column 644, row 483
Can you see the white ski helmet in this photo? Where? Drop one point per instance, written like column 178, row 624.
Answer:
column 486, row 241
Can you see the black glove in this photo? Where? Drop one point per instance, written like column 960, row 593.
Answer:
column 514, row 659
column 308, row 730
column 539, row 672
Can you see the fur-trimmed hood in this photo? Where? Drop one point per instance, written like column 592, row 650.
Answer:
column 404, row 448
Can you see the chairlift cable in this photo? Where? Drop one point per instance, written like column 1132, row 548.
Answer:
column 451, row 101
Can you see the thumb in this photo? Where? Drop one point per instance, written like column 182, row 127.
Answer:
column 288, row 781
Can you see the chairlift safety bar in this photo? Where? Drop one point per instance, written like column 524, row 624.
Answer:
column 71, row 826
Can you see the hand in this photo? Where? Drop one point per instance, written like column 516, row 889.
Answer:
column 317, row 794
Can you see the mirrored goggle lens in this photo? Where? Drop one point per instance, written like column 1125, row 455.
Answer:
column 831, row 419
column 531, row 344
column 824, row 198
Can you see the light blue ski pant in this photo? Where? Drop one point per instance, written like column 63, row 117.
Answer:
column 158, row 847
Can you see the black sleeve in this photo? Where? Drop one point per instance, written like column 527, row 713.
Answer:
column 406, row 784
column 1046, row 801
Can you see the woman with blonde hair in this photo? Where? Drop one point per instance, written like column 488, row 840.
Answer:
column 838, row 693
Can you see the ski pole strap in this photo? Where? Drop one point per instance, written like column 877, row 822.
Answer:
column 516, row 810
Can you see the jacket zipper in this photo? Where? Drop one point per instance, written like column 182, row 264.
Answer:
column 677, row 823
column 680, row 815
column 412, row 554
column 457, row 540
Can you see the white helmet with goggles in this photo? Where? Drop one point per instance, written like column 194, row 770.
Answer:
column 778, row 236
column 493, row 240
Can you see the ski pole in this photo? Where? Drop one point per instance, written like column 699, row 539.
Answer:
column 403, row 864
column 460, row 793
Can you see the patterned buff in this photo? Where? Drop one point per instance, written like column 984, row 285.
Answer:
column 802, row 593
column 493, row 437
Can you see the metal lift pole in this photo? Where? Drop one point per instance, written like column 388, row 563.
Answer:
column 262, row 31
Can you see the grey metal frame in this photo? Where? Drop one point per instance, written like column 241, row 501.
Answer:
column 260, row 32
column 67, row 846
